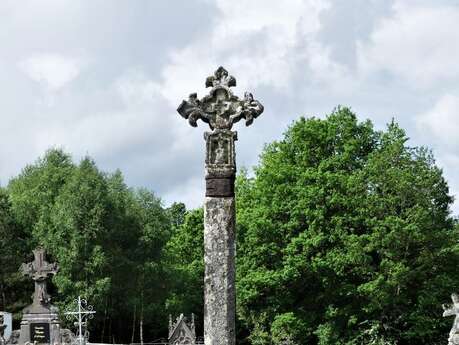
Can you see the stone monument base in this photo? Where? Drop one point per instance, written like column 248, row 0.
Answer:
column 42, row 328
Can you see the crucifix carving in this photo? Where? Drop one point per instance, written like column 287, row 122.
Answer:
column 40, row 270
column 453, row 310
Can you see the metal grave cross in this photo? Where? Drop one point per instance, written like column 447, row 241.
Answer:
column 39, row 270
column 85, row 311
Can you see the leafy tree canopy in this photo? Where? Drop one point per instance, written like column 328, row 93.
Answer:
column 345, row 237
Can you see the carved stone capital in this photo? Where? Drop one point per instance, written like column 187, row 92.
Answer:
column 220, row 163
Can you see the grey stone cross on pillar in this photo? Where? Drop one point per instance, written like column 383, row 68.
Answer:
column 220, row 109
column 39, row 270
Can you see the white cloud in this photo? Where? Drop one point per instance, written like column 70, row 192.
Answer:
column 264, row 41
column 418, row 43
column 123, row 113
column 441, row 123
column 135, row 88
column 440, row 126
column 189, row 192
column 54, row 71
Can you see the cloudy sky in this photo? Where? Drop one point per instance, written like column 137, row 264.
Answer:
column 104, row 78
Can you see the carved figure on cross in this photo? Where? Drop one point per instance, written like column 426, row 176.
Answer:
column 453, row 310
column 40, row 270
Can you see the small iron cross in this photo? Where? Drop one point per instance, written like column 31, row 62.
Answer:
column 39, row 270
column 220, row 109
column 84, row 311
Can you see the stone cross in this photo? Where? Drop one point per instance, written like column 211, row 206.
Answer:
column 220, row 109
column 40, row 270
column 453, row 310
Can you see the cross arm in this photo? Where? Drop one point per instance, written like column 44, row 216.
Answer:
column 248, row 109
column 26, row 269
column 192, row 110
column 449, row 310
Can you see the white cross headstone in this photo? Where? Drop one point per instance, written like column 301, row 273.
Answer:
column 8, row 322
column 453, row 310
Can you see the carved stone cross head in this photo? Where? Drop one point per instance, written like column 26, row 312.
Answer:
column 39, row 269
column 220, row 109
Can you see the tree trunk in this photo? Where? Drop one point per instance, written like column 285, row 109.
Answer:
column 133, row 323
column 141, row 317
column 102, row 340
column 110, row 335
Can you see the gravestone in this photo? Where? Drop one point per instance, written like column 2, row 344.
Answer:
column 6, row 324
column 40, row 320
column 220, row 109
column 182, row 332
column 453, row 310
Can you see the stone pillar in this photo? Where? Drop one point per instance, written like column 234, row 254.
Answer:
column 220, row 109
column 219, row 238
column 219, row 258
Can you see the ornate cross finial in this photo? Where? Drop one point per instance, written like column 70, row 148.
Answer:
column 220, row 109
column 39, row 270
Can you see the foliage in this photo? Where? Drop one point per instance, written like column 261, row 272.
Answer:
column 186, row 267
column 11, row 249
column 107, row 238
column 344, row 236
column 343, row 227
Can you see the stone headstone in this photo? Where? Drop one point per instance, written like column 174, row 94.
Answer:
column 6, row 324
column 182, row 332
column 40, row 321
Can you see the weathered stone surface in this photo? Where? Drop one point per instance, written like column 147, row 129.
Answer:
column 220, row 109
column 182, row 332
column 39, row 271
column 220, row 163
column 219, row 257
column 453, row 310
column 6, row 324
column 220, row 187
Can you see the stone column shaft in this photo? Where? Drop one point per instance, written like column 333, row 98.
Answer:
column 220, row 109
column 219, row 259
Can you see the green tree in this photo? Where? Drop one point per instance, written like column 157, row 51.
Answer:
column 107, row 238
column 345, row 232
column 31, row 195
column 12, row 250
column 185, row 259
